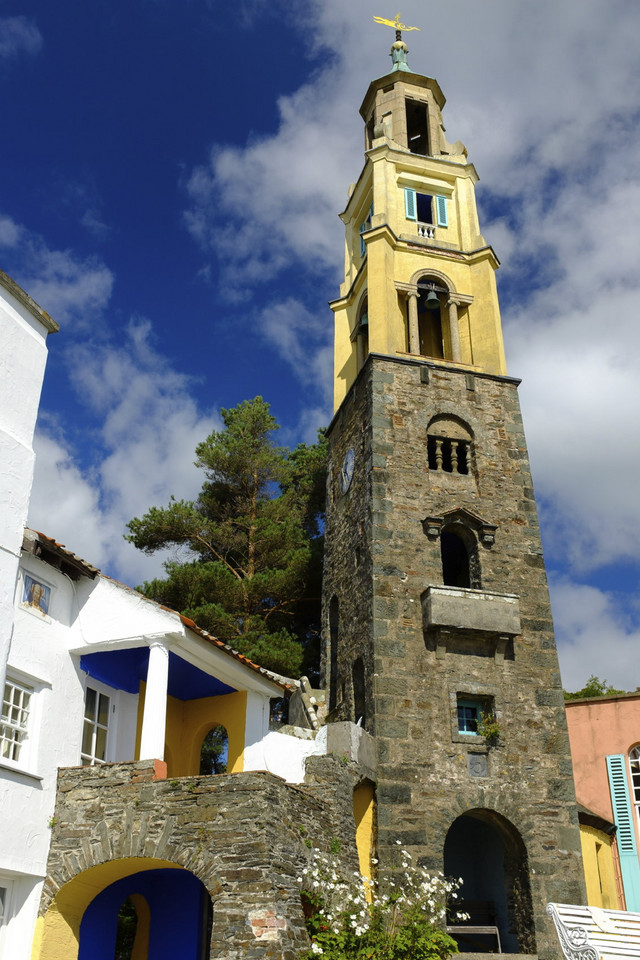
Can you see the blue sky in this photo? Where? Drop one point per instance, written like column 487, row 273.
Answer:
column 170, row 183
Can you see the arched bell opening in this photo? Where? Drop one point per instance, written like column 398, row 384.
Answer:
column 430, row 320
column 486, row 851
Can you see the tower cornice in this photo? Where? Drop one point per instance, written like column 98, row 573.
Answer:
column 407, row 78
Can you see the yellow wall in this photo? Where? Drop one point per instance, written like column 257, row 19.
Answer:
column 597, row 859
column 363, row 814
column 57, row 934
column 189, row 721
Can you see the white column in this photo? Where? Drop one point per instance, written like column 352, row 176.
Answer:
column 154, row 720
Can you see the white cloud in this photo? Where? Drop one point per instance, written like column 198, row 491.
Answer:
column 148, row 427
column 75, row 289
column 597, row 636
column 18, row 35
column 545, row 97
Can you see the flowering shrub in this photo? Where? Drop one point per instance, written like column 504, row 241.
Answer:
column 404, row 921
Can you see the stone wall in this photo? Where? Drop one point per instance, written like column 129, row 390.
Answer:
column 381, row 558
column 245, row 836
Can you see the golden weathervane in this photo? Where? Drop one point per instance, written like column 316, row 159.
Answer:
column 396, row 24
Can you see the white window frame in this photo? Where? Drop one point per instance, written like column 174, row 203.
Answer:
column 439, row 214
column 26, row 762
column 634, row 779
column 101, row 689
column 6, row 909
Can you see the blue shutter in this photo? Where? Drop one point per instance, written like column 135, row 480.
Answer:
column 441, row 212
column 410, row 205
column 623, row 817
column 364, row 226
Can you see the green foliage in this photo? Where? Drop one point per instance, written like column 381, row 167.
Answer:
column 489, row 728
column 594, row 687
column 404, row 921
column 253, row 572
column 214, row 751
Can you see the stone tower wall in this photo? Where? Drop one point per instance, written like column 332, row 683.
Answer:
column 428, row 773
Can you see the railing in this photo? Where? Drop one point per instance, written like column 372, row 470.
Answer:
column 427, row 231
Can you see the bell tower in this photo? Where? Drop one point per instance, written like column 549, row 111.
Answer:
column 438, row 631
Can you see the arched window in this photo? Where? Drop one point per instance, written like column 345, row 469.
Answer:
column 214, row 751
column 449, row 446
column 359, row 694
column 459, row 551
column 362, row 332
column 334, row 619
column 634, row 764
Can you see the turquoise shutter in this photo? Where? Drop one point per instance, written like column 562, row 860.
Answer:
column 410, row 205
column 441, row 212
column 365, row 225
column 626, row 837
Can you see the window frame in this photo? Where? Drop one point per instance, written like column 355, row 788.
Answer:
column 470, row 703
column 101, row 690
column 364, row 226
column 439, row 209
column 634, row 778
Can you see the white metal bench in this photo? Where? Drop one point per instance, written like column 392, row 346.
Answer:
column 590, row 933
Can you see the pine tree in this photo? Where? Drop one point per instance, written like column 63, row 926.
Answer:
column 255, row 541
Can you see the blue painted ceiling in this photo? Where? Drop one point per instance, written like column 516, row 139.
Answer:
column 124, row 669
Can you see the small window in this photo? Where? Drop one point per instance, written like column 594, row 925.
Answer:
column 95, row 728
column 469, row 712
column 425, row 208
column 364, row 226
column 14, row 721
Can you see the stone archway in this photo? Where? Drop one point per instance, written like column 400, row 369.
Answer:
column 487, row 852
column 57, row 934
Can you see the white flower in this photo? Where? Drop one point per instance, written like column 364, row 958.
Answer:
column 316, row 948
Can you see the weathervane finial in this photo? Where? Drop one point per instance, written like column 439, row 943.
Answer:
column 399, row 49
column 396, row 24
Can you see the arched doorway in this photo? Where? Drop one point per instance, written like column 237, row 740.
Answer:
column 487, row 852
column 178, row 919
column 146, row 908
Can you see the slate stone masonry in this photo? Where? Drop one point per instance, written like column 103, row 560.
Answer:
column 246, row 836
column 380, row 559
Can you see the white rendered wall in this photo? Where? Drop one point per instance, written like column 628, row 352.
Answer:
column 23, row 355
column 284, row 755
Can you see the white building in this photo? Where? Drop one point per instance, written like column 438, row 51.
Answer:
column 92, row 671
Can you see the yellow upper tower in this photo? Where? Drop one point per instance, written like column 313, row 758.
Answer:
column 419, row 276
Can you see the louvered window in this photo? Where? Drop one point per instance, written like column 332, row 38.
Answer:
column 624, row 820
column 425, row 208
column 364, row 226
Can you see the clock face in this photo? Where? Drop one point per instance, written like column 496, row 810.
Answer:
column 346, row 471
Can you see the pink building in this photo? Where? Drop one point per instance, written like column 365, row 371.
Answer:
column 604, row 733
